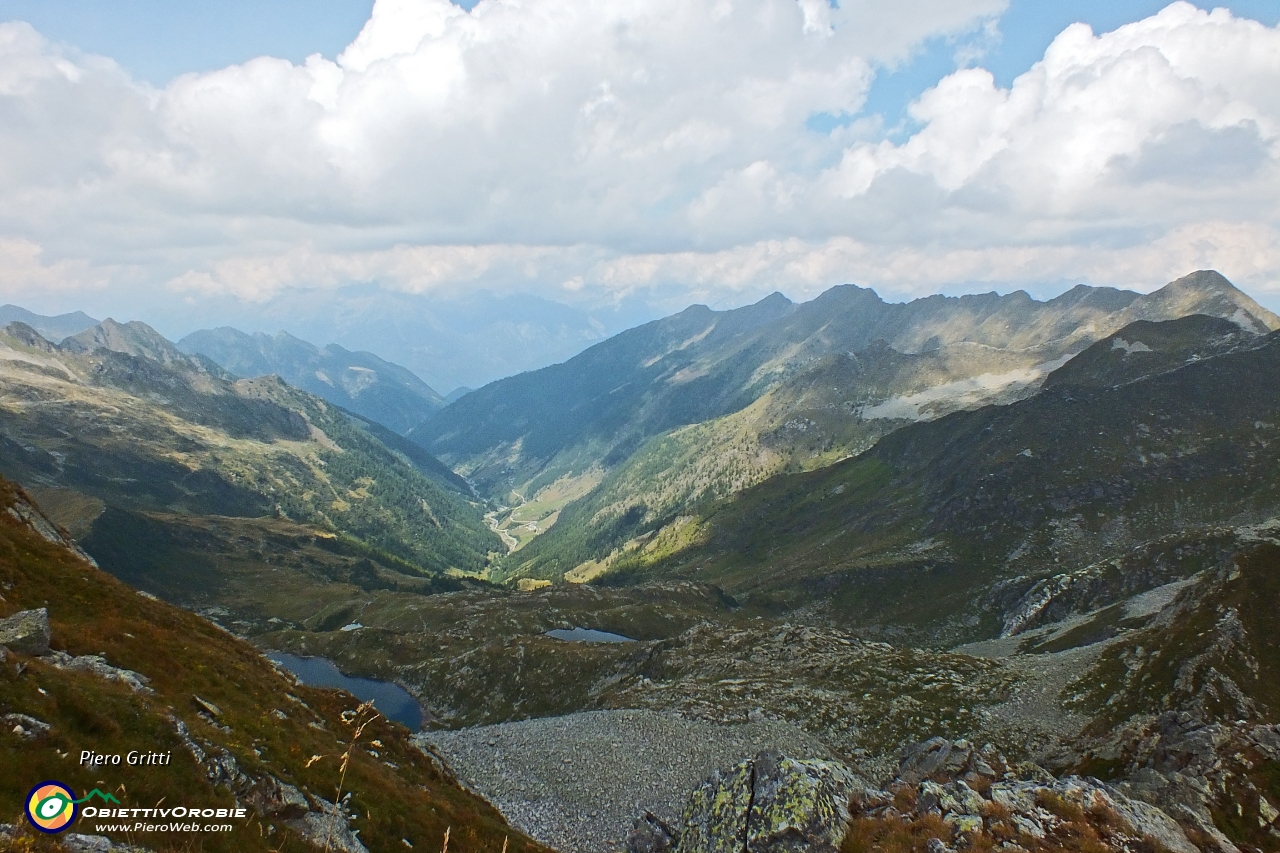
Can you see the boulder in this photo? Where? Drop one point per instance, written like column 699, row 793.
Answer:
column 651, row 834
column 798, row 805
column 715, row 818
column 26, row 632
column 770, row 804
column 922, row 760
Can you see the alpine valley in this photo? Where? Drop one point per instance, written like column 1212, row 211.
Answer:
column 979, row 573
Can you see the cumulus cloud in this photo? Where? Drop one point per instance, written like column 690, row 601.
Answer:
column 594, row 149
column 1097, row 106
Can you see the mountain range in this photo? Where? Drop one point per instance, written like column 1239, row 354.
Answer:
column 882, row 534
column 359, row 381
column 135, row 444
column 53, row 328
column 449, row 340
column 629, row 435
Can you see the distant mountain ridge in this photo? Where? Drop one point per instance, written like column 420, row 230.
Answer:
column 158, row 440
column 360, row 381
column 639, row 428
column 450, row 340
column 52, row 328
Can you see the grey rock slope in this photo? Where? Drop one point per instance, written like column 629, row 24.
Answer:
column 359, row 381
column 575, row 782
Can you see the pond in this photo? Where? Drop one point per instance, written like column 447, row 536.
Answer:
column 391, row 700
column 587, row 635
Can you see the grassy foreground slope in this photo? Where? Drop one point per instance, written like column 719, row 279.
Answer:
column 268, row 731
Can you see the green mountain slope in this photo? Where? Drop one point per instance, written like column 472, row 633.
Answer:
column 623, row 440
column 359, row 381
column 142, row 428
column 920, row 528
column 129, row 673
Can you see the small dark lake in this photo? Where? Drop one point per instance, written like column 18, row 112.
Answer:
column 587, row 635
column 391, row 700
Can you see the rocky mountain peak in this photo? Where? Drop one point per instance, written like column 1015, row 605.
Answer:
column 1204, row 292
column 24, row 334
column 132, row 338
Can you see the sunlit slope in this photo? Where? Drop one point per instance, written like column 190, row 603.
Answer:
column 818, row 383
column 142, row 428
column 1106, row 457
column 599, row 406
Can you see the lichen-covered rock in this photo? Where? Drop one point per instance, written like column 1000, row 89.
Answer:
column 771, row 804
column 715, row 819
column 798, row 805
column 26, row 632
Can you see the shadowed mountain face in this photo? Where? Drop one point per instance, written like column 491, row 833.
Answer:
column 358, row 381
column 126, row 433
column 623, row 439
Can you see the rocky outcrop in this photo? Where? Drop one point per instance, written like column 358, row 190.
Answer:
column 26, row 632
column 327, row 828
column 770, row 804
column 25, row 727
column 977, row 794
column 319, row 821
column 98, row 665
column 25, row 510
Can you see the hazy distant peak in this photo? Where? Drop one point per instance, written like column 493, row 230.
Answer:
column 132, row 338
column 53, row 329
column 359, row 381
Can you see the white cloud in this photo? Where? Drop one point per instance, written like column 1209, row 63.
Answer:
column 1058, row 142
column 591, row 149
column 28, row 275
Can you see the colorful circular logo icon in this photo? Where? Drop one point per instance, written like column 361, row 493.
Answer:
column 51, row 807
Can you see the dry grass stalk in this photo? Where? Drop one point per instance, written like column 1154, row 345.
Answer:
column 358, row 719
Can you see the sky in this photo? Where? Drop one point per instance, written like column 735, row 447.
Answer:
column 159, row 158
